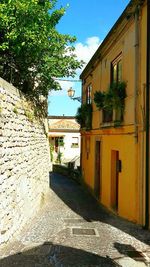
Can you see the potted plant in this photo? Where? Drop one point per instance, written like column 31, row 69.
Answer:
column 119, row 94
column 103, row 101
column 113, row 98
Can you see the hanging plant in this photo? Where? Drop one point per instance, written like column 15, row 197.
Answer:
column 108, row 101
column 51, row 152
column 103, row 100
column 79, row 117
column 113, row 98
column 99, row 99
column 84, row 116
column 118, row 91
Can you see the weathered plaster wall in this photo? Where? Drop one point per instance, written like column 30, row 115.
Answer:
column 24, row 161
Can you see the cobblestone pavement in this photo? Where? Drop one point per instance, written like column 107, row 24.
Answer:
column 73, row 230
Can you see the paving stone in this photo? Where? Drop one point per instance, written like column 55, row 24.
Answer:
column 48, row 240
column 128, row 262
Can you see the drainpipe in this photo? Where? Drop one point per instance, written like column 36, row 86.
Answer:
column 136, row 71
column 147, row 178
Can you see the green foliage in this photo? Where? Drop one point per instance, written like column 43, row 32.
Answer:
column 84, row 116
column 104, row 100
column 59, row 157
column 99, row 99
column 113, row 98
column 51, row 152
column 15, row 110
column 61, row 142
column 118, row 92
column 74, row 146
column 32, row 51
column 108, row 101
column 30, row 115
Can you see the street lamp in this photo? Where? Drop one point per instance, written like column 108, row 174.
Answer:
column 71, row 94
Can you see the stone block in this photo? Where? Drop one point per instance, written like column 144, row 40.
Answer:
column 23, row 160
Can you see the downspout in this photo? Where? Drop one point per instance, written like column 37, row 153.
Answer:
column 136, row 71
column 81, row 136
column 147, row 177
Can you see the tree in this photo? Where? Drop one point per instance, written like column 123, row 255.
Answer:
column 32, row 51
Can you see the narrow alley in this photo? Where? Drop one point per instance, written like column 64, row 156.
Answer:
column 73, row 230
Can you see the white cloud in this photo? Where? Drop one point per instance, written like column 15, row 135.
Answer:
column 86, row 51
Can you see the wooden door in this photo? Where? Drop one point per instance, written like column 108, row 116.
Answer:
column 114, row 179
column 97, row 169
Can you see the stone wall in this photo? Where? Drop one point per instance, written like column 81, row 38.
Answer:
column 24, row 161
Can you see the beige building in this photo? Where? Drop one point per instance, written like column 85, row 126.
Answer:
column 64, row 138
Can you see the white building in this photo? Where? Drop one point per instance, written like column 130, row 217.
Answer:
column 64, row 137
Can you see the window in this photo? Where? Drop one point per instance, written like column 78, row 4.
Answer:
column 116, row 76
column 75, row 142
column 60, row 141
column 107, row 115
column 116, row 70
column 88, row 94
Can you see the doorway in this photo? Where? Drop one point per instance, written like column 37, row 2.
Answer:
column 114, row 179
column 97, row 169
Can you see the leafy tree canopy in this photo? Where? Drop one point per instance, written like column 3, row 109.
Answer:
column 32, row 51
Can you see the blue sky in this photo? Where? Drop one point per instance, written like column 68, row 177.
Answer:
column 89, row 21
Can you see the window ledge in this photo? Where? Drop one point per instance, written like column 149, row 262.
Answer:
column 86, row 129
column 111, row 124
column 106, row 124
column 118, row 124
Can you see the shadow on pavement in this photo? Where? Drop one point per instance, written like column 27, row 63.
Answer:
column 55, row 255
column 129, row 251
column 85, row 205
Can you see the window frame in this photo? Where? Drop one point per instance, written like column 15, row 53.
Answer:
column 114, row 63
column 75, row 144
column 61, row 141
column 89, row 94
column 106, row 117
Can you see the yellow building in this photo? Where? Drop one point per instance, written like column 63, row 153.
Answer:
column 114, row 147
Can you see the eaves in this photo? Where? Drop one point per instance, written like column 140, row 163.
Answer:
column 65, row 130
column 124, row 19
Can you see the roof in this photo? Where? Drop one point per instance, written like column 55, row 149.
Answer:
column 126, row 14
column 64, row 124
column 61, row 117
